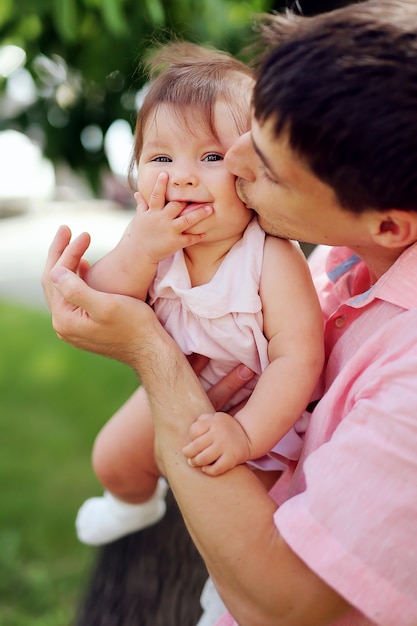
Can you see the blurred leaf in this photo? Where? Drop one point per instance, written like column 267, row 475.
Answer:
column 40, row 7
column 113, row 16
column 6, row 11
column 30, row 27
column 156, row 11
column 65, row 13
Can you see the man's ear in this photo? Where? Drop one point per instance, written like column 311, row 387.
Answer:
column 395, row 228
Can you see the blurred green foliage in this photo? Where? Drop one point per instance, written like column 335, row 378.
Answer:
column 83, row 57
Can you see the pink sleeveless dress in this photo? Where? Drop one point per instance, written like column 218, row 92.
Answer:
column 221, row 319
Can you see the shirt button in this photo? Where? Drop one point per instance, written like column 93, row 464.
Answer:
column 339, row 322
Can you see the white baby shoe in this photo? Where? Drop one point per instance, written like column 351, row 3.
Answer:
column 105, row 519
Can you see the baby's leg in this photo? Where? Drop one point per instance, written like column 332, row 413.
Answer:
column 123, row 453
column 123, row 459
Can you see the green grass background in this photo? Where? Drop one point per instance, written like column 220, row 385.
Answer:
column 53, row 401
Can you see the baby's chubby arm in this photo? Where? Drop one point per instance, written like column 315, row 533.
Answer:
column 156, row 231
column 294, row 327
column 218, row 443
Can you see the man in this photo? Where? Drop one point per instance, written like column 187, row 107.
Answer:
column 331, row 159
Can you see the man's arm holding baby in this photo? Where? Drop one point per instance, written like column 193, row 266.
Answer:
column 293, row 325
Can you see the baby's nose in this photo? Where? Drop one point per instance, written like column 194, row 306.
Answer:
column 184, row 179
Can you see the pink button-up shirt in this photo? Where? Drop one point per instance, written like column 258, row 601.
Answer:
column 349, row 507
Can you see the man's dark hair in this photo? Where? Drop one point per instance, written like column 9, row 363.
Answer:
column 343, row 85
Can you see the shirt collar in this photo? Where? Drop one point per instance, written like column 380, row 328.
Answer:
column 398, row 285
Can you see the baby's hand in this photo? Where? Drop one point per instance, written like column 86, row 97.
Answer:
column 159, row 228
column 218, row 443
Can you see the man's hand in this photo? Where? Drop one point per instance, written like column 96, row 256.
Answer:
column 91, row 320
column 223, row 391
column 218, row 443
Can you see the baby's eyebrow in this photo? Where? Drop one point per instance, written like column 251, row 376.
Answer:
column 153, row 145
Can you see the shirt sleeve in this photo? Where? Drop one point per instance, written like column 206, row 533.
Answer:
column 355, row 523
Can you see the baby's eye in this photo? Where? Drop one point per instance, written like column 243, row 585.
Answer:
column 162, row 159
column 213, row 157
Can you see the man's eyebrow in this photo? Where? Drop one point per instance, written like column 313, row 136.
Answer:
column 264, row 159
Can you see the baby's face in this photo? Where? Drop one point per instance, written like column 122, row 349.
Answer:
column 193, row 158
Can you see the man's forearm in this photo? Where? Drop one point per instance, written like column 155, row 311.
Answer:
column 229, row 517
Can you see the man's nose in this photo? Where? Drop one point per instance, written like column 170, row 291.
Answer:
column 240, row 158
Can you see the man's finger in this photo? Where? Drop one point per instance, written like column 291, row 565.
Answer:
column 198, row 362
column 76, row 292
column 58, row 245
column 74, row 251
column 225, row 389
